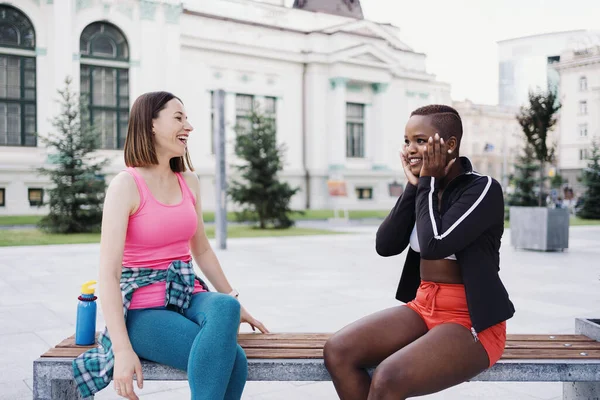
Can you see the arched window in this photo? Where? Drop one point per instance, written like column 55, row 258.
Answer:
column 105, row 81
column 583, row 84
column 17, row 79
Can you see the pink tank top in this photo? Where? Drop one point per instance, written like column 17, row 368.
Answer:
column 158, row 234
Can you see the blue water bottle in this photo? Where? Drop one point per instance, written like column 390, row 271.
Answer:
column 85, row 329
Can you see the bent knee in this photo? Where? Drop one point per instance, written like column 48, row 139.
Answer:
column 224, row 305
column 338, row 350
column 388, row 380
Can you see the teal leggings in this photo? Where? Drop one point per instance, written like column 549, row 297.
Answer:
column 201, row 341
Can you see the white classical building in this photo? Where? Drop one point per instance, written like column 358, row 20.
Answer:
column 492, row 138
column 340, row 87
column 580, row 113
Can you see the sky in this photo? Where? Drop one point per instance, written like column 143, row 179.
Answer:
column 460, row 36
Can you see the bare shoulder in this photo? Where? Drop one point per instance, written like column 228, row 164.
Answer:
column 192, row 181
column 123, row 191
column 122, row 183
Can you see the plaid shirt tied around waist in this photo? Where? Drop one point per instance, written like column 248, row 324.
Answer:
column 93, row 370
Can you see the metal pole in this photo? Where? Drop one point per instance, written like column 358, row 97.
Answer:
column 220, row 173
column 504, row 163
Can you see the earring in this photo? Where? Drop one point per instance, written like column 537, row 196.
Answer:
column 449, row 151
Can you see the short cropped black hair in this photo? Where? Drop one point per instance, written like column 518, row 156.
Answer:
column 444, row 118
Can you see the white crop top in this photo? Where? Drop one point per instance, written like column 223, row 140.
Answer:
column 414, row 243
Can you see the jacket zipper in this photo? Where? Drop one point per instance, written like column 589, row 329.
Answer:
column 474, row 333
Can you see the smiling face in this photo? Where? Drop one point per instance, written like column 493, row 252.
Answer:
column 171, row 130
column 419, row 129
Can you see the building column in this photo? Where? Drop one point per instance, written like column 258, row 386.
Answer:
column 154, row 73
column 377, row 135
column 62, row 50
column 336, row 135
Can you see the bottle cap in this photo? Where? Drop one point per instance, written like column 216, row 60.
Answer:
column 87, row 288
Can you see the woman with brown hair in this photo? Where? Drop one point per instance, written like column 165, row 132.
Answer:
column 154, row 305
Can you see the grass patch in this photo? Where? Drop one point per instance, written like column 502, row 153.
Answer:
column 34, row 237
column 576, row 221
column 319, row 215
column 322, row 215
column 352, row 214
column 209, row 216
column 19, row 220
column 242, row 231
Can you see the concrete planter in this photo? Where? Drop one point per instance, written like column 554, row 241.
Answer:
column 588, row 327
column 584, row 390
column 539, row 228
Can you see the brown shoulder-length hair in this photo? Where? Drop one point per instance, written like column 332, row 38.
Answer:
column 139, row 143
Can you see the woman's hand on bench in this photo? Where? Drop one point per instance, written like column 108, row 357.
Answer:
column 126, row 364
column 250, row 320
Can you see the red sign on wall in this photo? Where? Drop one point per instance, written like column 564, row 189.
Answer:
column 337, row 188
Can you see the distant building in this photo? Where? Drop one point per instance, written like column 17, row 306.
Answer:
column 492, row 138
column 580, row 113
column 339, row 87
column 524, row 62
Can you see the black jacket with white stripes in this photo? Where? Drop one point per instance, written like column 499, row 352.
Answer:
column 469, row 224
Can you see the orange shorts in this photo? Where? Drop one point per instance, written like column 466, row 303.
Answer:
column 442, row 303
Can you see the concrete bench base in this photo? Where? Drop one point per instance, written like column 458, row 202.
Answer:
column 53, row 376
column 581, row 391
column 579, row 372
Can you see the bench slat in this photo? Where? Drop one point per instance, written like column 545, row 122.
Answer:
column 322, row 337
column 310, row 346
column 287, row 344
column 512, row 354
column 553, row 345
column 550, row 354
column 270, row 353
column 285, row 336
column 316, row 344
column 325, row 336
column 304, row 353
column 549, row 338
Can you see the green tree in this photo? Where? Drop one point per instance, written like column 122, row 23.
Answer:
column 591, row 179
column 77, row 194
column 557, row 181
column 260, row 193
column 525, row 179
column 537, row 120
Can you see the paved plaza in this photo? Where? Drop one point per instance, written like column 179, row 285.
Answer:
column 302, row 284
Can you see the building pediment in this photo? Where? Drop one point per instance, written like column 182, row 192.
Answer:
column 369, row 57
column 371, row 29
column 365, row 54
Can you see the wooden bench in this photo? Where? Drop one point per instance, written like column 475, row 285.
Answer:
column 572, row 359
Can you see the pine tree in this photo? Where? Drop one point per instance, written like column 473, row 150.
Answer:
column 591, row 179
column 77, row 194
column 259, row 192
column 537, row 120
column 525, row 179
